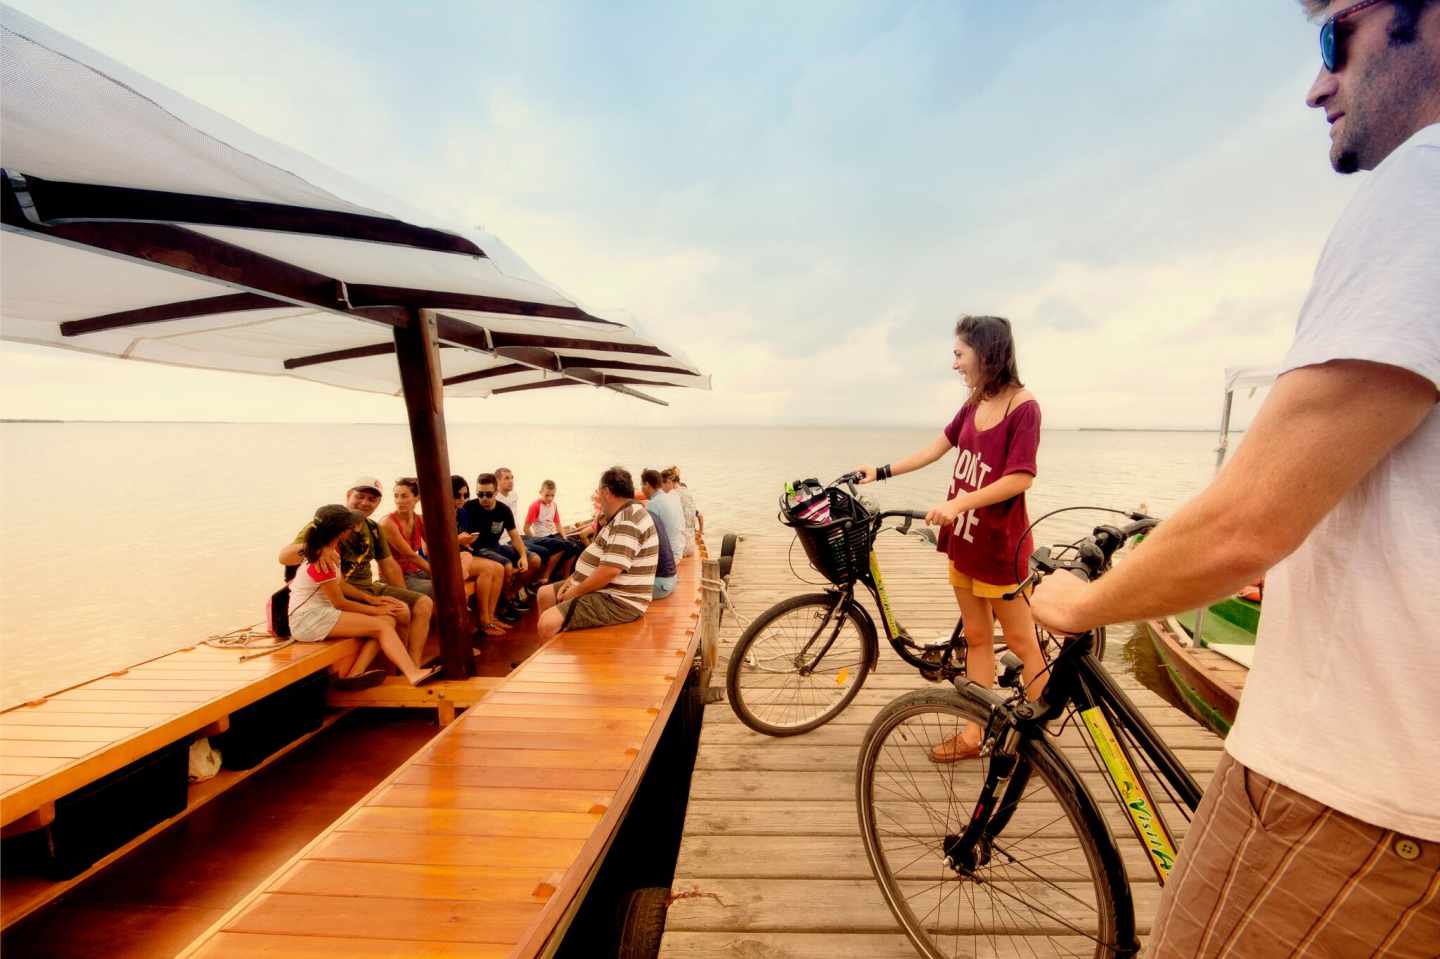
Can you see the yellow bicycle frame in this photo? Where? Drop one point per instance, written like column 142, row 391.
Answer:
column 1133, row 794
column 890, row 623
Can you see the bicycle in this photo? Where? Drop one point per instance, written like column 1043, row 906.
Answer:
column 802, row 661
column 998, row 852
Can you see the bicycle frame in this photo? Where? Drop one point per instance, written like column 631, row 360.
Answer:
column 873, row 581
column 1078, row 678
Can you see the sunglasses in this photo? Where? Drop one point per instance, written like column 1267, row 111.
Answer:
column 489, row 495
column 1330, row 53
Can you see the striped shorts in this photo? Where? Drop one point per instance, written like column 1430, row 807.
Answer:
column 1267, row 872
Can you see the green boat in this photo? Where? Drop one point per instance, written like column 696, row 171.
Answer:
column 1230, row 622
column 1207, row 653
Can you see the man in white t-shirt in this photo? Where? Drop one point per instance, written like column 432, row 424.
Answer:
column 546, row 557
column 1320, row 833
column 667, row 507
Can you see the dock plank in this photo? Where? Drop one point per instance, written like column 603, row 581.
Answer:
column 372, row 917
column 238, row 945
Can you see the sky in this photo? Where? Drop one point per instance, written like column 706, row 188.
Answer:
column 801, row 198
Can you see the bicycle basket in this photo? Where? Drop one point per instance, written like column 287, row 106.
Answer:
column 833, row 528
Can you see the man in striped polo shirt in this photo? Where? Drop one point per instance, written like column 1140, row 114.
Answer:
column 615, row 577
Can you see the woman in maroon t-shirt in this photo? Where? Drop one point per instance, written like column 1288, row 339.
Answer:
column 983, row 521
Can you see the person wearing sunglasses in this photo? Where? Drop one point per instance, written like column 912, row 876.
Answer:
column 1376, row 77
column 1319, row 834
column 492, row 520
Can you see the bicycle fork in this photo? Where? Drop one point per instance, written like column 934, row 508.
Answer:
column 1005, row 783
column 838, row 612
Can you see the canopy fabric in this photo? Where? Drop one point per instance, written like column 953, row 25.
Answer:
column 139, row 224
column 1249, row 377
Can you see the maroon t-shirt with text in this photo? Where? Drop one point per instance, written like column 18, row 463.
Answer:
column 983, row 543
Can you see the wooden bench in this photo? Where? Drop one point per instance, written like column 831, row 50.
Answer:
column 53, row 746
column 485, row 841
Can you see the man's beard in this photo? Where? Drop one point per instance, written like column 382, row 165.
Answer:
column 1347, row 162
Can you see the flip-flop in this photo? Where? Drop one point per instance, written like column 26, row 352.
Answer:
column 365, row 680
column 430, row 674
column 493, row 629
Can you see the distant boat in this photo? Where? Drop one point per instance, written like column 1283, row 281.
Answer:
column 1207, row 653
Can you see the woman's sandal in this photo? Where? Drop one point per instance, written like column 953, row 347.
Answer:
column 365, row 680
column 493, row 629
column 953, row 750
column 428, row 675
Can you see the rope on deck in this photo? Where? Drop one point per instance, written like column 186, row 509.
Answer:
column 248, row 637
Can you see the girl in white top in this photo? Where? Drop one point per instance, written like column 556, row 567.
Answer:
column 319, row 608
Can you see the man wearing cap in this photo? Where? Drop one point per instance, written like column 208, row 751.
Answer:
column 411, row 610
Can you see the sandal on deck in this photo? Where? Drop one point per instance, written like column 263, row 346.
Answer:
column 428, row 675
column 365, row 680
column 953, row 750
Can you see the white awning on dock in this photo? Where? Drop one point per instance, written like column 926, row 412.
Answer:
column 1249, row 377
column 142, row 225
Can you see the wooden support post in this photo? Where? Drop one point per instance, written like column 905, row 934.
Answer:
column 709, row 619
column 418, row 355
column 39, row 818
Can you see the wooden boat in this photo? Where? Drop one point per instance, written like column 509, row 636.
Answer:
column 138, row 224
column 1207, row 652
column 1209, row 680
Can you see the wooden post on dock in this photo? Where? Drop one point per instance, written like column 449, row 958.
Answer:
column 418, row 354
column 709, row 619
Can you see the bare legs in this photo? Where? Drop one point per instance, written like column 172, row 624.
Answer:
column 380, row 636
column 489, row 577
column 1018, row 629
column 420, row 627
column 551, row 618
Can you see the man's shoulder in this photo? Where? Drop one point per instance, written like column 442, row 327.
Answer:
column 634, row 512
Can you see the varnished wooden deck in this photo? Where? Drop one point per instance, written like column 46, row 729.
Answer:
column 483, row 843
column 772, row 865
column 55, row 745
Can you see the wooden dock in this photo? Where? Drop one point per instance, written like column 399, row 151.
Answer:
column 772, row 865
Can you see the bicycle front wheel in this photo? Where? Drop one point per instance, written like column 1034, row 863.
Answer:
column 793, row 670
column 1050, row 883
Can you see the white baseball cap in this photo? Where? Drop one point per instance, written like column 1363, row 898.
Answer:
column 369, row 482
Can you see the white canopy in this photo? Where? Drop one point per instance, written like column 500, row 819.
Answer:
column 1249, row 377
column 141, row 225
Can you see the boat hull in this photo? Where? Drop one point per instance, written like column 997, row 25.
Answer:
column 1209, row 683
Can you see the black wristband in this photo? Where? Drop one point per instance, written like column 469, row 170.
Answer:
column 883, row 473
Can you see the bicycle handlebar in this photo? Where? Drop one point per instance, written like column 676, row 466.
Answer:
column 1092, row 554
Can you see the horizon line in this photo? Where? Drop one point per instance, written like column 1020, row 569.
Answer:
column 14, row 420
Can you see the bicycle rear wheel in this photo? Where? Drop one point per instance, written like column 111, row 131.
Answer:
column 1051, row 883
column 778, row 681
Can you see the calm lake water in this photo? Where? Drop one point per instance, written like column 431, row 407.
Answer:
column 124, row 541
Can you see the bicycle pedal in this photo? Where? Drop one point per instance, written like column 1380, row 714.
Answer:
column 933, row 671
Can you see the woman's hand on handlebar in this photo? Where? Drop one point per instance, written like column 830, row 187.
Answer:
column 1057, row 604
column 867, row 474
column 943, row 515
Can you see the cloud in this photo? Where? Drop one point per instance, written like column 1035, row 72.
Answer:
column 802, row 198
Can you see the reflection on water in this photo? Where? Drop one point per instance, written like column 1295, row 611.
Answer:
column 1137, row 656
column 124, row 541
